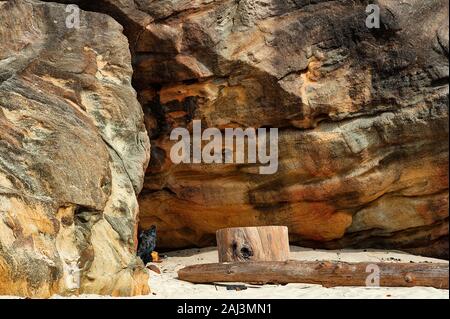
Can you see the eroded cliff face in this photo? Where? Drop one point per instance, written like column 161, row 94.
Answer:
column 73, row 150
column 362, row 115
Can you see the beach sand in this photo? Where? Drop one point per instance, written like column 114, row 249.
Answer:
column 166, row 284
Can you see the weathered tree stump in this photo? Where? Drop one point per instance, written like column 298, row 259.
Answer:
column 265, row 243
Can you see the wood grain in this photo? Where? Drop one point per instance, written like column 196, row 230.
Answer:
column 326, row 273
column 265, row 243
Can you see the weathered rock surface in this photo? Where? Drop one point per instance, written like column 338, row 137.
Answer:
column 73, row 150
column 362, row 114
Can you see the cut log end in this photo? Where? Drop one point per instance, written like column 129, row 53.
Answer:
column 265, row 243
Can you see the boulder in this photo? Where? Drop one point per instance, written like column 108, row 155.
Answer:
column 73, row 151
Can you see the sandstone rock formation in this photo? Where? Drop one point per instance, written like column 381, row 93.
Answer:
column 73, row 150
column 362, row 115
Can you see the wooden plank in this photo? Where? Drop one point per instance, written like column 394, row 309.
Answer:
column 264, row 243
column 326, row 273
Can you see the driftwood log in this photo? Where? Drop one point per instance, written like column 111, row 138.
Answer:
column 328, row 274
column 264, row 243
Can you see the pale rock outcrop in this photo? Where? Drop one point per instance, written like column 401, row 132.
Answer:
column 73, row 151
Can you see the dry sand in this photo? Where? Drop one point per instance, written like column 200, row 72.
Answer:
column 166, row 284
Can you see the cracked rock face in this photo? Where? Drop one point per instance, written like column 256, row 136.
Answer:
column 73, row 150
